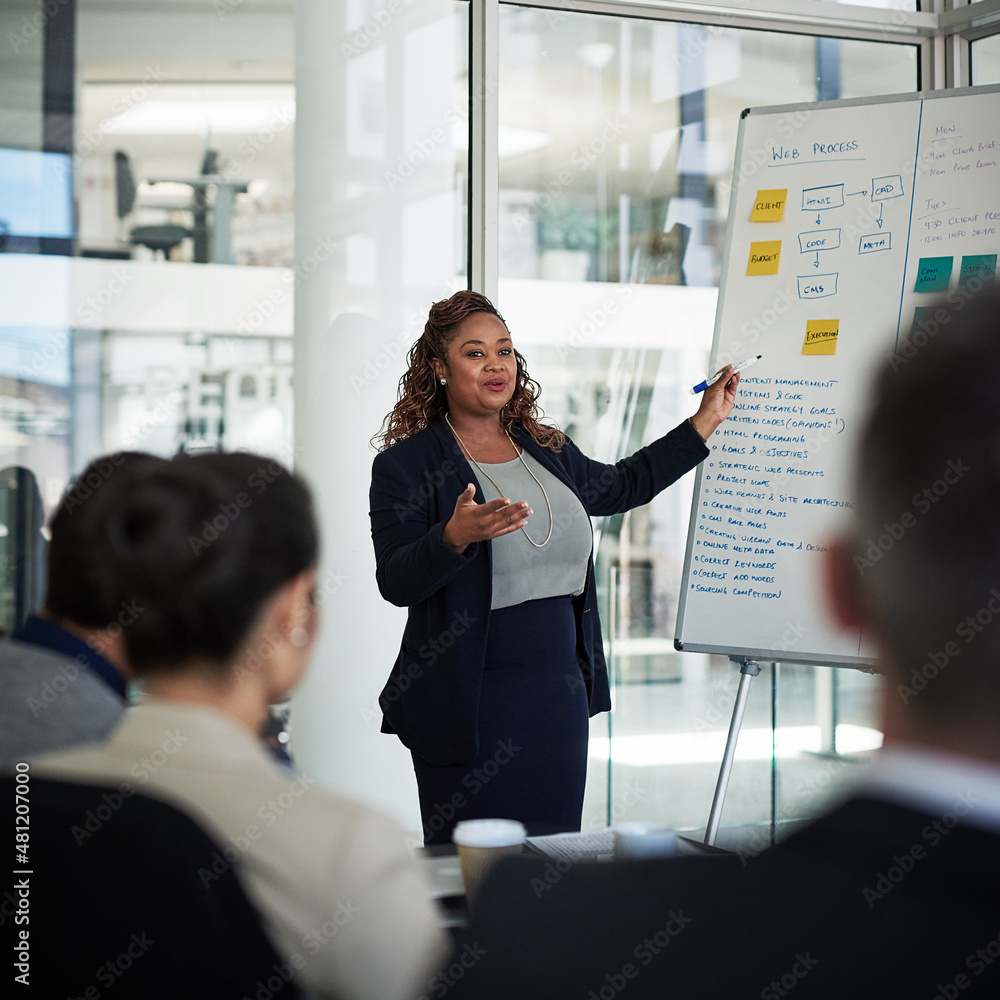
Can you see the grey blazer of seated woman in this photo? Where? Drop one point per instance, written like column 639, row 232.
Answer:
column 431, row 699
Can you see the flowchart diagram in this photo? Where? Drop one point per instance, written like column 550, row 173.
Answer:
column 826, row 205
column 948, row 153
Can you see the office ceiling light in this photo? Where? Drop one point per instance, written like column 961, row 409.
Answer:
column 199, row 117
column 597, row 54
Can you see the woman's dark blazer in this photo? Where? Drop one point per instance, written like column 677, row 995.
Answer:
column 431, row 700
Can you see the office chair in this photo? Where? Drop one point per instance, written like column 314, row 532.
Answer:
column 158, row 237
column 23, row 547
column 127, row 892
column 212, row 242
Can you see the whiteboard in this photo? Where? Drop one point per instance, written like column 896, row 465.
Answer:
column 847, row 220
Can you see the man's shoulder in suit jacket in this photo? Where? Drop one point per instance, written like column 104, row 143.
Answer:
column 871, row 900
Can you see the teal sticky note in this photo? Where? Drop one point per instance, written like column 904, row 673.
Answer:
column 933, row 274
column 978, row 269
column 919, row 314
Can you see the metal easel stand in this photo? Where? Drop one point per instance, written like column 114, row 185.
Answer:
column 748, row 670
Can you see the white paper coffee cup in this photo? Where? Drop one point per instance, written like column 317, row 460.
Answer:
column 481, row 843
column 644, row 839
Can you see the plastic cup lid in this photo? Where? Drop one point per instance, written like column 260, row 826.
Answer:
column 489, row 833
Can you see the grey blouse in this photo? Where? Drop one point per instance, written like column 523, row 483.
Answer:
column 522, row 572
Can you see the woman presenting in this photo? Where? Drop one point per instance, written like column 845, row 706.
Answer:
column 481, row 525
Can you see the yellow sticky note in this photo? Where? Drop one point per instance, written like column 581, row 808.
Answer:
column 769, row 206
column 821, row 336
column 764, row 257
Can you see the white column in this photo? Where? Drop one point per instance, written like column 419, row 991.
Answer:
column 373, row 249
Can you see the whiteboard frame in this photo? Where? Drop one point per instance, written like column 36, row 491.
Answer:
column 753, row 652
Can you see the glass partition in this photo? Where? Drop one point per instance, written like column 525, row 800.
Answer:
column 147, row 235
column 169, row 327
column 616, row 145
column 986, row 60
column 147, row 256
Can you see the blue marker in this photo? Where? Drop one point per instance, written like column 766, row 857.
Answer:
column 702, row 386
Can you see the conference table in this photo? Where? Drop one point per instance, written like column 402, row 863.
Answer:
column 441, row 865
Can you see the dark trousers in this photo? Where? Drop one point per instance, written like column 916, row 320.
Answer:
column 533, row 731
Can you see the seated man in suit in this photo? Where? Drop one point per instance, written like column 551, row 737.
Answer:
column 63, row 674
column 896, row 891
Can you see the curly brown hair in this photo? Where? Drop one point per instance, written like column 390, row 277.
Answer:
column 422, row 397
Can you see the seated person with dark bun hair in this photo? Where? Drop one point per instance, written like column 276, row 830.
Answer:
column 222, row 561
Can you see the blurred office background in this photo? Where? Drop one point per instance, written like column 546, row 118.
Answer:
column 222, row 223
